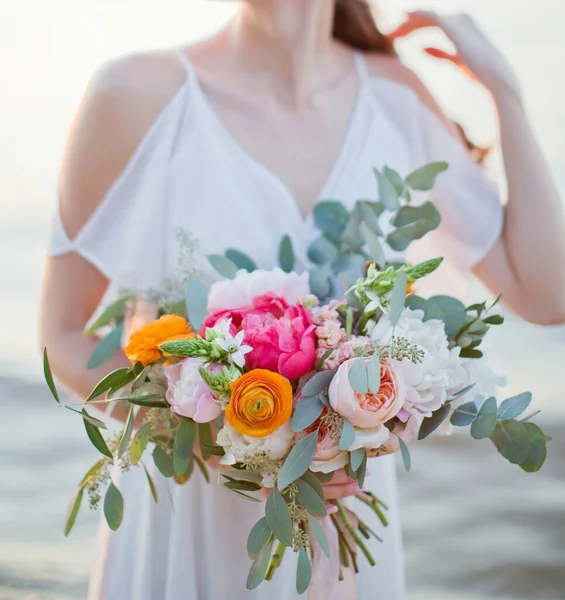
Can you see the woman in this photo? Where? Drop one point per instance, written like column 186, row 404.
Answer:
column 236, row 139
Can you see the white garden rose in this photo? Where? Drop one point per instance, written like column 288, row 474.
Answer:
column 370, row 438
column 232, row 294
column 441, row 372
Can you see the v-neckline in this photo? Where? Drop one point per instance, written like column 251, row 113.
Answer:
column 263, row 170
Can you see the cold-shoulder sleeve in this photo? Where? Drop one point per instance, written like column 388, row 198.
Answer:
column 124, row 237
column 468, row 202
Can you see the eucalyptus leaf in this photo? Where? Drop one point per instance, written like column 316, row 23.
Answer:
column 400, row 238
column 374, row 374
column 430, row 424
column 299, row 460
column 484, row 423
column 395, row 179
column 407, row 215
column 92, row 420
column 303, row 572
column 494, row 320
column 331, row 217
column 322, row 251
column 431, row 310
column 358, row 376
column 461, row 392
column 49, row 376
column 347, row 436
column 148, row 401
column 72, row 510
column 151, row 483
column 424, row 178
column 464, row 415
column 126, row 433
column 453, row 313
column 313, row 482
column 356, row 458
column 202, row 466
column 205, row 439
column 375, row 249
column 320, row 281
column 112, row 312
column 241, row 260
column 538, row 449
column 163, row 462
column 512, row 440
column 318, row 383
column 361, row 471
column 319, row 535
column 139, row 443
column 405, row 452
column 113, row 380
column 350, row 264
column 515, row 406
column 259, row 567
column 183, row 444
column 306, row 412
column 196, row 302
column 278, row 517
column 397, row 298
column 106, row 347
column 370, row 218
column 286, row 254
column 223, row 265
column 243, row 486
column 470, row 353
column 258, row 537
column 387, row 194
column 93, row 472
column 351, row 236
column 113, row 507
column 96, row 438
column 310, row 500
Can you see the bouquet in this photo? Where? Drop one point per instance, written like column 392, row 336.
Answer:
column 285, row 379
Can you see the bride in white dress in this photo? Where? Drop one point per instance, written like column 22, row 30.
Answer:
column 235, row 140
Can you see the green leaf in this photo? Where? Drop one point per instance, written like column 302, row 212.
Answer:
column 358, row 376
column 331, row 217
column 151, row 485
column 374, row 374
column 93, row 421
column 278, row 517
column 214, row 450
column 114, row 311
column 322, row 251
column 318, row 383
column 96, row 438
column 361, row 471
column 320, row 281
column 310, row 500
column 320, row 535
column 464, row 415
column 313, row 482
column 356, row 458
column 299, row 460
column 72, row 510
column 259, row 567
column 431, row 310
column 184, row 442
column 202, row 466
column 303, row 572
column 139, row 443
column 205, row 439
column 409, row 215
column 387, row 194
column 397, row 298
column 115, row 379
column 223, row 265
column 484, row 423
column 113, row 507
column 244, row 486
column 147, row 400
column 430, row 424
column 49, row 376
column 461, row 392
column 512, row 440
column 93, row 472
column 400, row 238
column 538, row 449
column 163, row 462
column 347, row 436
column 405, row 452
column 494, row 320
column 453, row 313
column 106, row 347
column 515, row 406
column 126, row 434
column 196, row 302
column 424, row 179
column 306, row 412
column 241, row 260
column 370, row 217
column 258, row 537
column 395, row 179
column 470, row 353
column 375, row 249
column 286, row 254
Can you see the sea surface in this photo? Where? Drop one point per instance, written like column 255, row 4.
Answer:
column 475, row 526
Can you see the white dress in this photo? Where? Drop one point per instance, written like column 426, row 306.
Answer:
column 189, row 172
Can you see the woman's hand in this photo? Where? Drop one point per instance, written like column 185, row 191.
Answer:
column 474, row 54
column 340, row 486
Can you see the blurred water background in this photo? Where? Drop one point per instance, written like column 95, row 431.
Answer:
column 475, row 527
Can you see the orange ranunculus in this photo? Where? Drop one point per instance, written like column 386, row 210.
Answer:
column 143, row 344
column 410, row 288
column 261, row 402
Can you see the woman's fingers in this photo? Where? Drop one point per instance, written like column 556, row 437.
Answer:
column 335, row 492
column 413, row 22
column 453, row 58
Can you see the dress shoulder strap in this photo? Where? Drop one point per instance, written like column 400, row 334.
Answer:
column 361, row 66
column 184, row 61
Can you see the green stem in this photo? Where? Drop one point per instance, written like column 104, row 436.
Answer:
column 345, row 541
column 374, row 505
column 353, row 533
column 275, row 560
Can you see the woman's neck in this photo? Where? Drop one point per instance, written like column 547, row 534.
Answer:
column 290, row 41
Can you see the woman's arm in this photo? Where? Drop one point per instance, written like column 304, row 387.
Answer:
column 120, row 103
column 527, row 262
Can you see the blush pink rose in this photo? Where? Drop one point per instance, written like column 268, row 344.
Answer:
column 328, row 457
column 282, row 336
column 367, row 410
column 188, row 394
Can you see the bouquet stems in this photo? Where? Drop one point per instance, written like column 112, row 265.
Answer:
column 275, row 560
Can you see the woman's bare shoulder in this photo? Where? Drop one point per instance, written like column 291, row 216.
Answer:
column 120, row 103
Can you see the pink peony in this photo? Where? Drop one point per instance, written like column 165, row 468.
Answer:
column 188, row 394
column 282, row 336
column 367, row 410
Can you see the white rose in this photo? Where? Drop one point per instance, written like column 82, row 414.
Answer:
column 370, row 438
column 441, row 371
column 231, row 294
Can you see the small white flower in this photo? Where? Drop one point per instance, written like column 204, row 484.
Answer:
column 233, row 346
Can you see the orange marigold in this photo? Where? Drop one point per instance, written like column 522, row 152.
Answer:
column 143, row 345
column 261, row 402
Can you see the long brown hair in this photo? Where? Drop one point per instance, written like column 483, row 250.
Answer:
column 355, row 25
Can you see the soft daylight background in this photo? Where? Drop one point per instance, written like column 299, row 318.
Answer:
column 475, row 526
